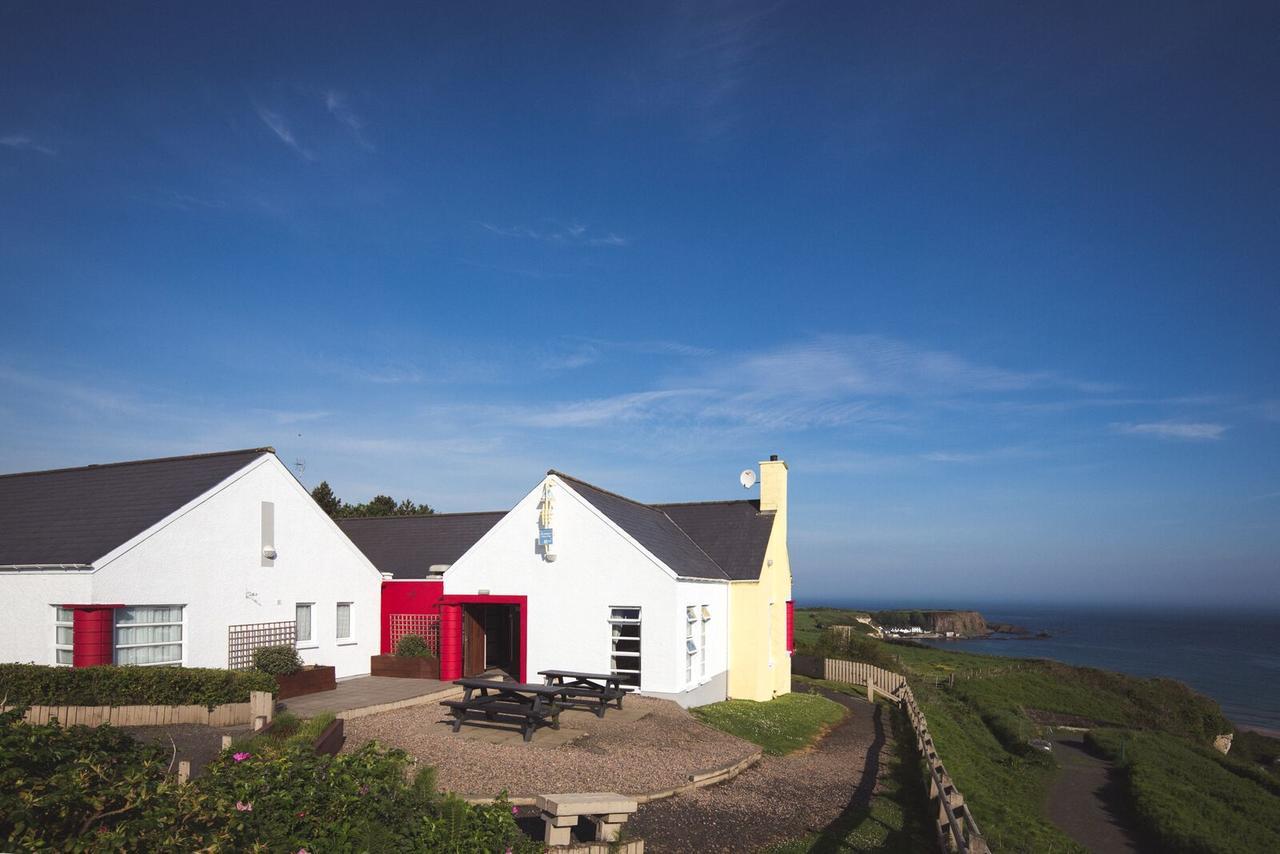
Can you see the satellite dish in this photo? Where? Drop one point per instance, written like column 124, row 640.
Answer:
column 747, row 478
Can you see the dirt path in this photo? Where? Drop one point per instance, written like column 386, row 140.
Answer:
column 1085, row 799
column 779, row 798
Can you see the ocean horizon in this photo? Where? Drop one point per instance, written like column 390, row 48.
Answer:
column 1231, row 655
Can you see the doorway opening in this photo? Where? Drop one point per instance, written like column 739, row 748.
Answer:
column 491, row 639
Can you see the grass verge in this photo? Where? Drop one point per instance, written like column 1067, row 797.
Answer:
column 1188, row 798
column 781, row 725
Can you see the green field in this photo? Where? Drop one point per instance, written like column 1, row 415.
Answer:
column 982, row 710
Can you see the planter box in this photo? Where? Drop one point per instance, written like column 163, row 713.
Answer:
column 309, row 680
column 330, row 741
column 404, row 667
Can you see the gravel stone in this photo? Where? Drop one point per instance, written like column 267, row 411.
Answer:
column 618, row 753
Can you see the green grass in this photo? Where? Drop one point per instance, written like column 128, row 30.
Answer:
column 896, row 818
column 781, row 725
column 983, row 709
column 1192, row 799
column 810, row 622
column 1258, row 749
column 287, row 730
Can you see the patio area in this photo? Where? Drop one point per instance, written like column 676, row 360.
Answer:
column 648, row 746
column 366, row 695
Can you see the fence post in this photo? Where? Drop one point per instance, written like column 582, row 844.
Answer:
column 261, row 704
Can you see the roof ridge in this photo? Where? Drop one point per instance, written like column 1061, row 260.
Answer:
column 652, row 508
column 425, row 515
column 708, row 501
column 93, row 466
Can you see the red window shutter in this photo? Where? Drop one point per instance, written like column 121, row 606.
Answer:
column 791, row 626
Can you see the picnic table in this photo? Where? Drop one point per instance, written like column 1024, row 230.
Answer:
column 591, row 690
column 530, row 706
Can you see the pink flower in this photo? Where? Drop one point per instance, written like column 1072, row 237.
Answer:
column 515, row 810
column 303, row 851
column 243, row 807
column 240, row 757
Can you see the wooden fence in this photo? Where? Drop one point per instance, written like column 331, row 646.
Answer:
column 261, row 704
column 956, row 827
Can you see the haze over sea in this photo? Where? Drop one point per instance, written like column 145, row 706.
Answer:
column 1232, row 656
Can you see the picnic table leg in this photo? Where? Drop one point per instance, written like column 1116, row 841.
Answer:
column 457, row 719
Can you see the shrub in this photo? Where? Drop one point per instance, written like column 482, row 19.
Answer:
column 110, row 685
column 414, row 646
column 81, row 789
column 280, row 660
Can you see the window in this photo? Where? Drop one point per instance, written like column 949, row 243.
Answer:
column 624, row 661
column 149, row 634
column 344, row 621
column 706, row 618
column 303, row 615
column 63, row 632
column 690, row 648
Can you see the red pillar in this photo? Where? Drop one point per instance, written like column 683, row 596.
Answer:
column 450, row 642
column 92, row 631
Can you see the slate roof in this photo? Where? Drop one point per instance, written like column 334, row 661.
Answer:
column 734, row 534
column 654, row 529
column 76, row 516
column 407, row 546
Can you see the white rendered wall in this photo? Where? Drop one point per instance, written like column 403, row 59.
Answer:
column 208, row 559
column 596, row 568
column 27, row 633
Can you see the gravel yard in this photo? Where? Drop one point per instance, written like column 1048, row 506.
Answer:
column 652, row 745
column 777, row 799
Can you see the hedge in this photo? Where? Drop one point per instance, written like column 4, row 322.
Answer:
column 109, row 685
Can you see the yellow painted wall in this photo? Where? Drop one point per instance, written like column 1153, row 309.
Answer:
column 759, row 665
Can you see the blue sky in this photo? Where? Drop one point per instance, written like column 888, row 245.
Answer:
column 1000, row 283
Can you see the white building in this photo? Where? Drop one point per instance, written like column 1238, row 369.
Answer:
column 578, row 578
column 182, row 560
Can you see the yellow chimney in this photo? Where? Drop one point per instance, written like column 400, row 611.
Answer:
column 773, row 485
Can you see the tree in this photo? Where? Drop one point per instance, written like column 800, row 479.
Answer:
column 329, row 503
column 380, row 505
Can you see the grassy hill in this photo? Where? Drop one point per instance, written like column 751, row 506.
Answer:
column 983, row 710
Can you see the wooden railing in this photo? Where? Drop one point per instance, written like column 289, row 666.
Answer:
column 956, row 827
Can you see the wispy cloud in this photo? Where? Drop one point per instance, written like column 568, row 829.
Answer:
column 336, row 104
column 22, row 142
column 1185, row 430
column 277, row 125
column 569, row 235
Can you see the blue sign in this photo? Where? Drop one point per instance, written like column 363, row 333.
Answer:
column 544, row 536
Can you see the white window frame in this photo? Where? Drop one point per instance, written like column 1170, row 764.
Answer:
column 310, row 641
column 181, row 643
column 349, row 638
column 615, row 620
column 706, row 618
column 690, row 645
column 68, row 623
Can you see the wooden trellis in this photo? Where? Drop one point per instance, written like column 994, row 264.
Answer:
column 427, row 625
column 242, row 640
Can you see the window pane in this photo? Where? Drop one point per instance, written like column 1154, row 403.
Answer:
column 344, row 619
column 147, row 614
column 126, row 635
column 64, row 615
column 64, row 656
column 304, row 622
column 65, row 635
column 167, row 654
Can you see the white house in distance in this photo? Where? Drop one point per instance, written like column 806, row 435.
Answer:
column 188, row 560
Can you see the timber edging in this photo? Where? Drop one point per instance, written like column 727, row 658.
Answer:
column 696, row 781
column 261, row 704
column 956, row 827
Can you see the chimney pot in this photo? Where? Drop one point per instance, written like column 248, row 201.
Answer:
column 773, row 458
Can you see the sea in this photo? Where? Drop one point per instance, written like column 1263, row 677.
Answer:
column 1233, row 657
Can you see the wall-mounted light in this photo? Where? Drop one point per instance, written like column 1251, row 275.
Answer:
column 269, row 552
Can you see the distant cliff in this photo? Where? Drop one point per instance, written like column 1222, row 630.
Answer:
column 966, row 623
